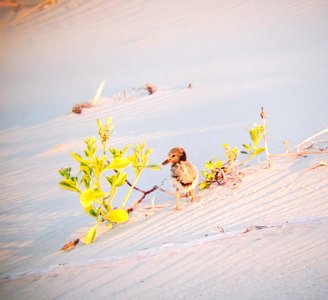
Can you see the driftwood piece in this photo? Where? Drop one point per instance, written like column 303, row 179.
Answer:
column 77, row 109
column 151, row 88
column 70, row 245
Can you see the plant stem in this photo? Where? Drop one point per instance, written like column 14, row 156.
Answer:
column 131, row 189
column 246, row 160
column 112, row 195
column 263, row 116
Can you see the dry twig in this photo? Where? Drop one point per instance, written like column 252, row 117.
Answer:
column 144, row 194
column 300, row 153
column 311, row 138
column 70, row 245
column 320, row 164
column 263, row 117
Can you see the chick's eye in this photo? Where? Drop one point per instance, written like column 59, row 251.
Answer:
column 173, row 155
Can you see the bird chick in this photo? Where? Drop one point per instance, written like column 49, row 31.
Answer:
column 184, row 175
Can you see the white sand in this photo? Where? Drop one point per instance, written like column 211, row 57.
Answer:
column 238, row 56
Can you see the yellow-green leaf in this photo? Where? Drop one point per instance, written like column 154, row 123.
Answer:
column 203, row 185
column 149, row 151
column 119, row 163
column 77, row 157
column 126, row 148
column 92, row 212
column 258, row 151
column 88, row 196
column 117, row 216
column 154, row 167
column 91, row 235
column 69, row 184
column 86, row 199
column 119, row 179
column 218, row 164
column 247, row 147
column 204, row 173
column 209, row 165
column 99, row 123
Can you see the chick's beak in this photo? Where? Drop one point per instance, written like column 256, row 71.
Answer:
column 165, row 162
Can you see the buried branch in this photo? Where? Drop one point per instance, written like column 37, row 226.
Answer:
column 144, row 194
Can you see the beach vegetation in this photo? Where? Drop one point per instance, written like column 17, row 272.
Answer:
column 228, row 171
column 102, row 171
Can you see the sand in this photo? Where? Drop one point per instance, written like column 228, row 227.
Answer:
column 264, row 239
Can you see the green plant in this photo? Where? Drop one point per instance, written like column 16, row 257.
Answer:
column 256, row 133
column 222, row 173
column 101, row 174
column 219, row 172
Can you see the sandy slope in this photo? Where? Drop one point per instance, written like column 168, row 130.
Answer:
column 168, row 253
column 184, row 255
column 238, row 56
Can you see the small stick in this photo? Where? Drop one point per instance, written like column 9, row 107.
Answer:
column 145, row 193
column 263, row 116
column 320, row 164
column 325, row 131
column 286, row 147
column 224, row 176
column 300, row 153
column 70, row 245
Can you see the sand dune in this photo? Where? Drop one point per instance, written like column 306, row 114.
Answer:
column 174, row 254
column 264, row 239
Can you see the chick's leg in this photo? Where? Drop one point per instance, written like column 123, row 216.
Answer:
column 193, row 196
column 178, row 196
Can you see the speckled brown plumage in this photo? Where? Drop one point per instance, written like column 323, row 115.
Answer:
column 184, row 175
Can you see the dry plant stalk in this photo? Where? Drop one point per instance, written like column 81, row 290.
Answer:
column 302, row 149
column 300, row 153
column 320, row 164
column 325, row 131
column 286, row 147
column 97, row 97
column 78, row 108
column 263, row 117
